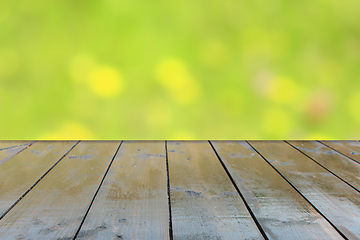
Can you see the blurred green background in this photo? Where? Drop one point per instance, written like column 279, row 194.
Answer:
column 189, row 69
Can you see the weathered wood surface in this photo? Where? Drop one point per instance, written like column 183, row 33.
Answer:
column 23, row 170
column 11, row 144
column 55, row 207
column 282, row 212
column 137, row 190
column 336, row 200
column 132, row 202
column 204, row 202
column 348, row 148
column 345, row 168
column 9, row 149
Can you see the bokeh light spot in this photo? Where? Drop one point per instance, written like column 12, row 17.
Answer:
column 282, row 90
column 175, row 77
column 211, row 70
column 262, row 82
column 69, row 131
column 318, row 106
column 183, row 135
column 106, row 81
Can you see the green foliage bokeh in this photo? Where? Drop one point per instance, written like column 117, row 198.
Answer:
column 230, row 69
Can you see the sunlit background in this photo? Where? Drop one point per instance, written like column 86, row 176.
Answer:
column 189, row 69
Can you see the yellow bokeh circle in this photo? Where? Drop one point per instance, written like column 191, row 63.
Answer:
column 69, row 131
column 106, row 81
column 174, row 76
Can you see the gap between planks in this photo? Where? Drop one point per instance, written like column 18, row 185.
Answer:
column 240, row 194
column 92, row 201
column 32, row 186
column 323, row 166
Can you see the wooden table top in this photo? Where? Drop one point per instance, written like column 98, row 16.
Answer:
column 179, row 190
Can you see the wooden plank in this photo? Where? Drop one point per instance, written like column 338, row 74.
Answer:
column 282, row 212
column 132, row 202
column 20, row 173
column 204, row 202
column 11, row 144
column 8, row 149
column 55, row 207
column 336, row 200
column 348, row 148
column 340, row 165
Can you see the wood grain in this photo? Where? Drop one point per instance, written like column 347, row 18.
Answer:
column 336, row 200
column 282, row 212
column 348, row 148
column 26, row 168
column 11, row 144
column 204, row 202
column 340, row 165
column 8, row 149
column 56, row 206
column 132, row 202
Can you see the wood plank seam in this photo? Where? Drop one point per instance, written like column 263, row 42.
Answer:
column 324, row 167
column 9, row 157
column 168, row 192
column 299, row 192
column 281, row 211
column 132, row 201
column 29, row 144
column 32, row 186
column 338, row 152
column 239, row 192
column 102, row 180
